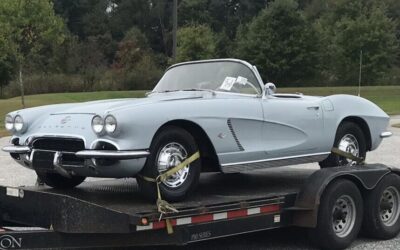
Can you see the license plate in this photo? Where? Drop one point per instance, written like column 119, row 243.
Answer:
column 43, row 160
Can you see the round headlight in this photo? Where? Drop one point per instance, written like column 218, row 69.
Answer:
column 9, row 123
column 18, row 123
column 110, row 124
column 97, row 124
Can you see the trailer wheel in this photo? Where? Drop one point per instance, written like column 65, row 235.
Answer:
column 339, row 216
column 169, row 148
column 60, row 182
column 382, row 209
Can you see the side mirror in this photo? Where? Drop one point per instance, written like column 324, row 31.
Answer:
column 270, row 88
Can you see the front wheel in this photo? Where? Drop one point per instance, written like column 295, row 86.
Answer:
column 349, row 138
column 169, row 148
column 60, row 182
column 339, row 216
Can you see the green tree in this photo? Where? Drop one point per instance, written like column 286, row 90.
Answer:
column 7, row 62
column 136, row 65
column 32, row 28
column 221, row 15
column 351, row 27
column 91, row 62
column 195, row 42
column 281, row 42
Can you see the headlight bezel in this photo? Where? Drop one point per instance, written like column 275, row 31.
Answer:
column 21, row 124
column 9, row 123
column 99, row 122
column 110, row 124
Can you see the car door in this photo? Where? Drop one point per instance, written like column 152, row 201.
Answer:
column 293, row 126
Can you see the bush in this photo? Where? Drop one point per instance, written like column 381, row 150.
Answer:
column 45, row 83
column 143, row 75
column 195, row 42
column 136, row 66
column 280, row 42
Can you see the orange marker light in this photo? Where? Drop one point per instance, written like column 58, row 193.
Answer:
column 145, row 221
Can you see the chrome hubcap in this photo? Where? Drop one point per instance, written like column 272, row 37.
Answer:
column 170, row 156
column 343, row 216
column 349, row 144
column 389, row 206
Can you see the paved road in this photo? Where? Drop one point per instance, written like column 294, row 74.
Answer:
column 388, row 153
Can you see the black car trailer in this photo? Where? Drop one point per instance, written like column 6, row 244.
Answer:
column 333, row 203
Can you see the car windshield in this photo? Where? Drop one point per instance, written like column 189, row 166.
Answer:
column 227, row 76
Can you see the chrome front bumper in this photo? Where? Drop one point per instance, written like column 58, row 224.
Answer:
column 386, row 134
column 17, row 149
column 88, row 154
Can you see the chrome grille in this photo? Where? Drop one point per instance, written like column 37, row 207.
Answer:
column 67, row 146
column 59, row 144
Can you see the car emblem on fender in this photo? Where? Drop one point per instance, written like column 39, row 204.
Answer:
column 65, row 119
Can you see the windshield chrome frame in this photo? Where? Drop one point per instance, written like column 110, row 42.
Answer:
column 248, row 65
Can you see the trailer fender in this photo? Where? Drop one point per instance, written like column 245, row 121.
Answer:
column 366, row 177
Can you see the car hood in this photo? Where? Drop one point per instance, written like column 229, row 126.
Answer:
column 105, row 106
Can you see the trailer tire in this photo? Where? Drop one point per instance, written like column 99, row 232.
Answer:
column 59, row 181
column 379, row 221
column 340, row 216
column 180, row 141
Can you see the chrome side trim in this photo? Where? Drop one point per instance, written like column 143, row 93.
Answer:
column 273, row 162
column 274, row 159
column 16, row 149
column 112, row 154
column 386, row 134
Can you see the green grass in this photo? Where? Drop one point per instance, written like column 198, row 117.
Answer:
column 387, row 97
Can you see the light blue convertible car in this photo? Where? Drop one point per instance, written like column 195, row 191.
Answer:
column 220, row 108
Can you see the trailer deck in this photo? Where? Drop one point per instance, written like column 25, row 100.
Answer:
column 102, row 203
column 112, row 213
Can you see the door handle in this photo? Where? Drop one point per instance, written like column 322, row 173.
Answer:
column 313, row 107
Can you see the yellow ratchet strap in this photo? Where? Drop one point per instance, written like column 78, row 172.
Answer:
column 163, row 206
column 358, row 160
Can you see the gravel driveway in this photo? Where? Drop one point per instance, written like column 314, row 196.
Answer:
column 388, row 153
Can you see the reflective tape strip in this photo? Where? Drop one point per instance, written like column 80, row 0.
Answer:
column 270, row 209
column 237, row 213
column 202, row 218
column 240, row 213
column 184, row 221
column 220, row 216
column 142, row 228
column 255, row 210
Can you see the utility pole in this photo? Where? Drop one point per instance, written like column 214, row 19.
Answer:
column 174, row 27
column 359, row 74
column 21, row 84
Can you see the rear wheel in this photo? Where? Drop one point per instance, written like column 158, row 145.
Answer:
column 382, row 210
column 339, row 216
column 168, row 149
column 58, row 181
column 349, row 138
